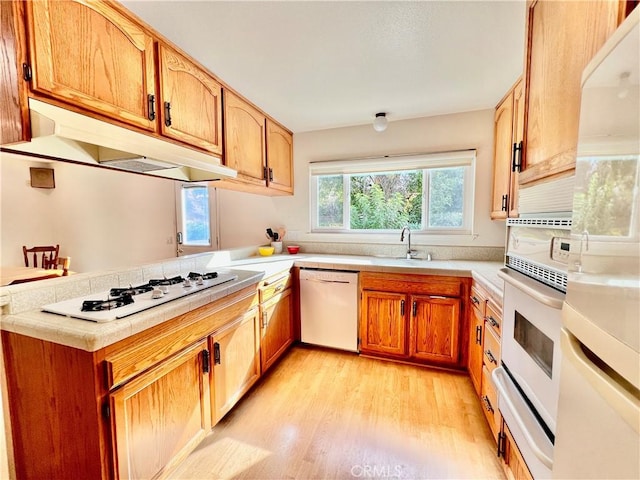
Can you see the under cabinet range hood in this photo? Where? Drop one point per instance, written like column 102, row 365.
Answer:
column 65, row 135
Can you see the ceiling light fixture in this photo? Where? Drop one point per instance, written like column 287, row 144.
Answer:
column 380, row 122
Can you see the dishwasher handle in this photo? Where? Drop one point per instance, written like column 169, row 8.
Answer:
column 321, row 280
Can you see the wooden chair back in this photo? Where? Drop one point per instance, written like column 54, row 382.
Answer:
column 48, row 256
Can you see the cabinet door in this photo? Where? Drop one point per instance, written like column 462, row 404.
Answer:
column 244, row 135
column 190, row 102
column 435, row 323
column 277, row 328
column 94, row 57
column 475, row 350
column 513, row 462
column 279, row 157
column 559, row 47
column 383, row 323
column 161, row 415
column 236, row 362
column 503, row 150
column 518, row 139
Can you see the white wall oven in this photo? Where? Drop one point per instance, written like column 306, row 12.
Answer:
column 528, row 379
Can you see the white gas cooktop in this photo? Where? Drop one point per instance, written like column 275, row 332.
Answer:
column 116, row 304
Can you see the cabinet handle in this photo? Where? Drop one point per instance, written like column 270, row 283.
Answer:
column 503, row 206
column 151, row 99
column 516, row 165
column 502, row 439
column 490, row 356
column 279, row 287
column 494, row 323
column 216, row 353
column 479, row 335
column 206, row 361
column 402, row 307
column 487, row 404
column 475, row 300
column 265, row 173
column 167, row 114
column 265, row 321
column 414, row 311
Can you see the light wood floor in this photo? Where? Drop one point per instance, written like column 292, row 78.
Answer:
column 322, row 415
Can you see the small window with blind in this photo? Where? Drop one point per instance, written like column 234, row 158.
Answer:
column 432, row 193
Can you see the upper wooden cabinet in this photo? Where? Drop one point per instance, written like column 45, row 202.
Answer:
column 91, row 55
column 279, row 158
column 190, row 102
column 244, row 135
column 508, row 133
column 258, row 148
column 562, row 37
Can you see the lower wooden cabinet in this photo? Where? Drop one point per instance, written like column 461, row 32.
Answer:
column 159, row 417
column 383, row 323
column 512, row 462
column 415, row 318
column 236, row 362
column 276, row 317
column 475, row 348
column 434, row 323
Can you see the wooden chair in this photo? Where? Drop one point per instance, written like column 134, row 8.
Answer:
column 63, row 264
column 48, row 256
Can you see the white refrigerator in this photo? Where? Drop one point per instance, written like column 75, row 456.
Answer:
column 598, row 422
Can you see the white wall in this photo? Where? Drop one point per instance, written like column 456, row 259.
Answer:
column 101, row 218
column 244, row 217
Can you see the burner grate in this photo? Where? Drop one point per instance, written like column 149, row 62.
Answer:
column 116, row 292
column 110, row 304
column 205, row 276
column 166, row 281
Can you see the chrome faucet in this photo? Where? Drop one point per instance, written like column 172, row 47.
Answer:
column 410, row 253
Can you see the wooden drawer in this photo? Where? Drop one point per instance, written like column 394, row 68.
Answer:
column 491, row 347
column 478, row 301
column 489, row 399
column 273, row 286
column 493, row 316
column 416, row 284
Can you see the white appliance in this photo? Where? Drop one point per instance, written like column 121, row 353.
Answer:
column 122, row 302
column 598, row 428
column 329, row 308
column 528, row 378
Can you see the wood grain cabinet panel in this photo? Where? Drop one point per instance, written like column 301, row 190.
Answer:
column 244, row 131
column 434, row 329
column 94, row 57
column 474, row 364
column 562, row 37
column 160, row 416
column 279, row 157
column 236, row 362
column 508, row 135
column 276, row 317
column 191, row 102
column 383, row 323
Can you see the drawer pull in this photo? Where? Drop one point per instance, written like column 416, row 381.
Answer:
column 490, row 356
column 279, row 287
column 494, row 323
column 487, row 404
column 475, row 300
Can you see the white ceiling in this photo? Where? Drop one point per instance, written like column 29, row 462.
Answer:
column 319, row 64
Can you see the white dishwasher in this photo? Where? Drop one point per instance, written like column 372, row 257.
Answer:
column 329, row 308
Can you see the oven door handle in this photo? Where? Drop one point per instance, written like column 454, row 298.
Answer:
column 498, row 377
column 532, row 288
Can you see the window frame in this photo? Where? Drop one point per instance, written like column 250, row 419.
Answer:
column 379, row 165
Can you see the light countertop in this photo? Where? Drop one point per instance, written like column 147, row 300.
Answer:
column 92, row 336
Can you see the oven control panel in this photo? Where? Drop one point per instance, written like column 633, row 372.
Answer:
column 560, row 249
